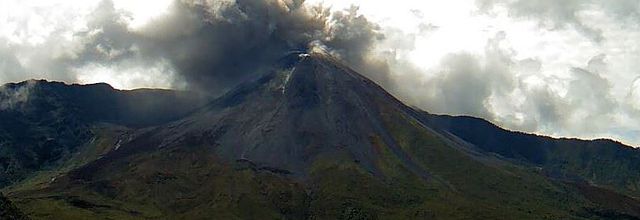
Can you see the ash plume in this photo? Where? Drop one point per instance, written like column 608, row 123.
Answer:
column 213, row 45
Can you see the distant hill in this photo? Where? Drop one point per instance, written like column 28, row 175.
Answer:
column 606, row 163
column 43, row 123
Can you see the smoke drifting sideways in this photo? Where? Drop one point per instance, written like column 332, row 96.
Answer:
column 212, row 45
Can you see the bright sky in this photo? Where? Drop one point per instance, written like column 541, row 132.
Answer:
column 31, row 25
column 462, row 27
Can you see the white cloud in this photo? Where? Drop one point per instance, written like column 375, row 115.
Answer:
column 129, row 75
column 566, row 68
column 38, row 39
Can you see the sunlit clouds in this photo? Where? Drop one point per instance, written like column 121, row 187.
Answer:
column 552, row 67
column 38, row 37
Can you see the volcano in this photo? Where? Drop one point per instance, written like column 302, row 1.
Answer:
column 314, row 139
column 311, row 108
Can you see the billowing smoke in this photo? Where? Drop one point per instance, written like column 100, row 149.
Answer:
column 213, row 45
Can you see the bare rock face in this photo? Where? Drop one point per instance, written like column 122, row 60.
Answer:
column 311, row 106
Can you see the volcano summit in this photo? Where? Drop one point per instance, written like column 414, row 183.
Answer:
column 310, row 139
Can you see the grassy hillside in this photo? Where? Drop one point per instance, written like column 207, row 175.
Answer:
column 8, row 211
column 191, row 182
column 606, row 163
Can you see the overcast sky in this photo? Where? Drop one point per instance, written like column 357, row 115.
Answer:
column 560, row 68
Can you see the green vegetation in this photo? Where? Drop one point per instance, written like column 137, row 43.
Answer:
column 192, row 183
column 8, row 211
column 604, row 163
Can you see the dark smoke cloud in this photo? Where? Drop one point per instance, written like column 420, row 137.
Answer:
column 214, row 45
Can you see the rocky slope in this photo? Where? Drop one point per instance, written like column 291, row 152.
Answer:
column 312, row 139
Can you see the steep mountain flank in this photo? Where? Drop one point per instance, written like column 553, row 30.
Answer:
column 311, row 139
